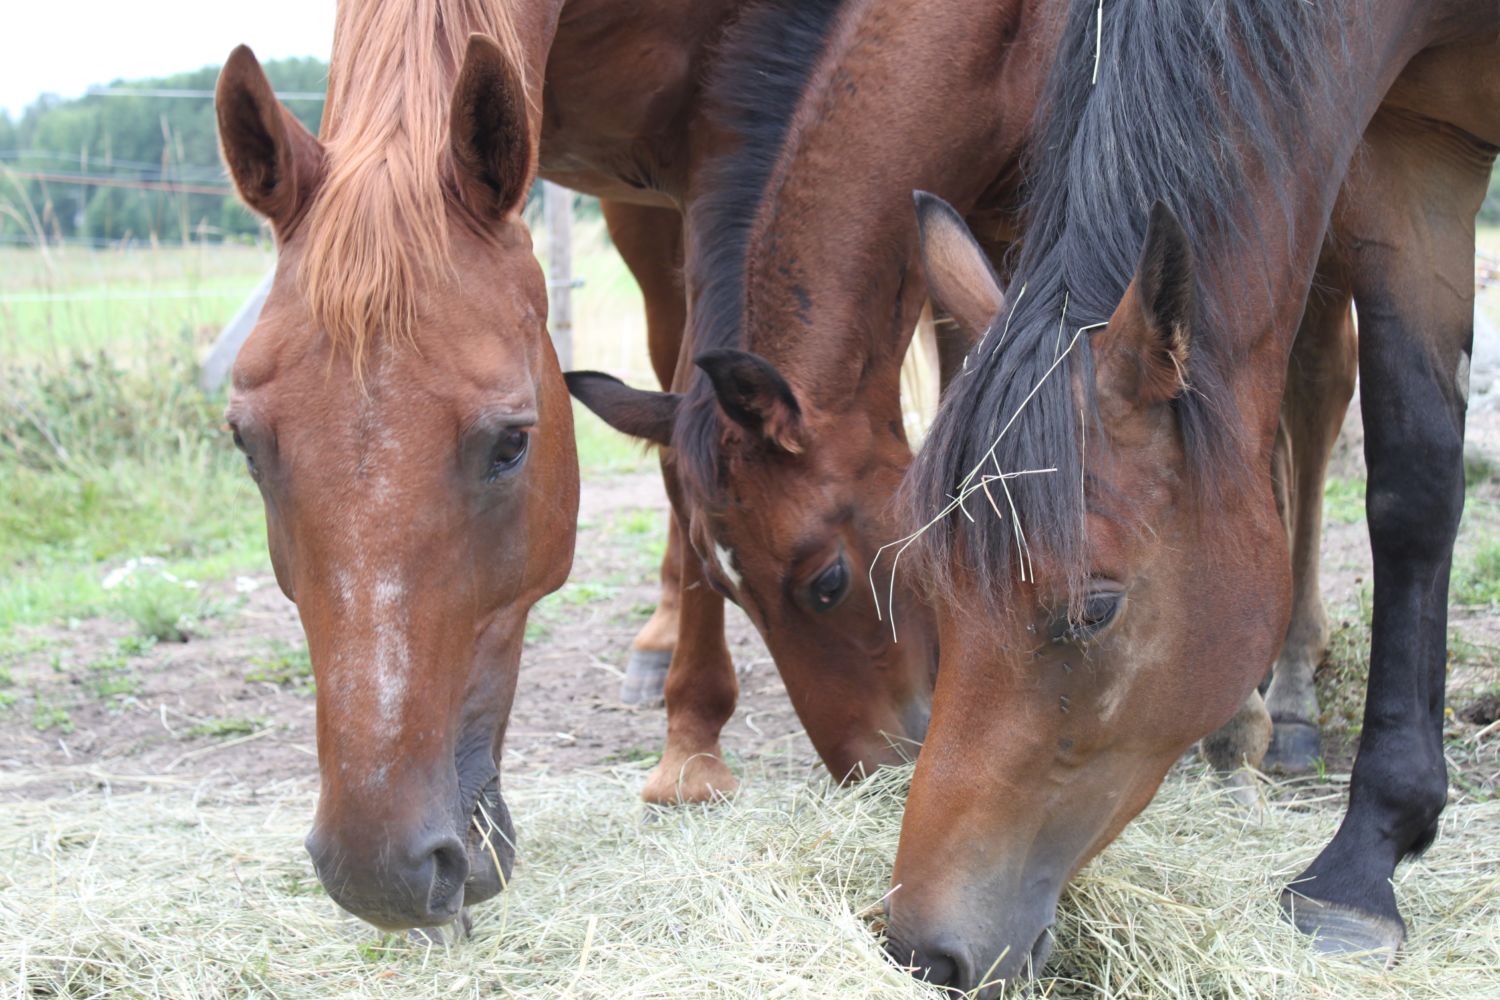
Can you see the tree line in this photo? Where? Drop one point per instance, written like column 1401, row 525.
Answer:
column 107, row 167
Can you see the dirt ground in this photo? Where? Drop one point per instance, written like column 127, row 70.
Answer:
column 199, row 714
column 224, row 709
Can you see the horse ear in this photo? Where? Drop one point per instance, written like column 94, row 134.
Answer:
column 490, row 131
column 753, row 394
column 1143, row 355
column 960, row 280
column 273, row 160
column 641, row 414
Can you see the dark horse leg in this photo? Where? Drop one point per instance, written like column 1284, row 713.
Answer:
column 1407, row 221
column 650, row 242
column 1320, row 383
column 1281, row 731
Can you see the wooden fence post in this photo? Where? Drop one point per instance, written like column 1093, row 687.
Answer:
column 557, row 209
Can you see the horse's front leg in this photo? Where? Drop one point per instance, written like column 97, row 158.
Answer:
column 1408, row 217
column 701, row 691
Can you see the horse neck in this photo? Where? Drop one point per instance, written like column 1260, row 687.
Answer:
column 831, row 274
column 1383, row 37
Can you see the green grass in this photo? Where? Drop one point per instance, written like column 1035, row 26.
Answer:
column 229, row 726
column 126, row 301
column 100, row 464
column 111, row 679
column 1341, row 677
column 1476, row 576
column 602, row 450
column 46, row 717
column 1344, row 500
column 284, row 664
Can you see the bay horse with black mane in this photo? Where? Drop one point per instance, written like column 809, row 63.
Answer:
column 402, row 412
column 785, row 443
column 1121, row 583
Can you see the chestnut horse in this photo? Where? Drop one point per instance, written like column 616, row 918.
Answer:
column 402, row 412
column 1121, row 582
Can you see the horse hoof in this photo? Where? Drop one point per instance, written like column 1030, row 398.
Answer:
column 1295, row 748
column 445, row 935
column 1342, row 930
column 703, row 777
column 1244, row 791
column 645, row 677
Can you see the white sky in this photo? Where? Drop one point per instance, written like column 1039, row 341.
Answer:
column 66, row 46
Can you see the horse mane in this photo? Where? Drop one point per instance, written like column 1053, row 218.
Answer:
column 764, row 63
column 1140, row 118
column 379, row 221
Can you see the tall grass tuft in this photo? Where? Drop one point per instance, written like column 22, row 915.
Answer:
column 100, row 461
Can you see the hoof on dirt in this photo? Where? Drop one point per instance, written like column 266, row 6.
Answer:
column 446, row 935
column 1341, row 930
column 1295, row 748
column 702, row 777
column 645, row 677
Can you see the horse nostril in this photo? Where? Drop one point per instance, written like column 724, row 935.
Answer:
column 450, row 866
column 942, row 966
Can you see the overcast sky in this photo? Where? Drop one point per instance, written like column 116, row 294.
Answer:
column 66, row 46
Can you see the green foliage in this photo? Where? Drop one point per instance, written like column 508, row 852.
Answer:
column 46, row 716
column 1479, row 469
column 231, row 726
column 1341, row 678
column 284, row 664
column 133, row 139
column 111, row 678
column 1476, row 580
column 163, row 609
column 100, row 463
column 1344, row 500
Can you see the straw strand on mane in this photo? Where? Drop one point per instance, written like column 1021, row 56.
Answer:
column 379, row 222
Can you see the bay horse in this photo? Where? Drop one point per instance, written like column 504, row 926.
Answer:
column 402, row 412
column 794, row 559
column 815, row 125
column 1121, row 581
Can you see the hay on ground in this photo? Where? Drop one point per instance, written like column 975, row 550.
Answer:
column 164, row 894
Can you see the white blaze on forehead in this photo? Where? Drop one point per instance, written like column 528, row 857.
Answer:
column 725, row 559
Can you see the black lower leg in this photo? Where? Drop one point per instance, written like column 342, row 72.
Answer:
column 1414, row 450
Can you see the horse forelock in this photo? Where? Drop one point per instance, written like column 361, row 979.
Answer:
column 378, row 226
column 1130, row 116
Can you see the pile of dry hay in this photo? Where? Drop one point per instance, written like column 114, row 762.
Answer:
column 155, row 895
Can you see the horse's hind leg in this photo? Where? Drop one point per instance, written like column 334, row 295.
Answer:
column 1281, row 731
column 1407, row 217
column 1320, row 382
column 650, row 242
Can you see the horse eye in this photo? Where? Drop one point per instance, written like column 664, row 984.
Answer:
column 829, row 587
column 1099, row 609
column 239, row 443
column 510, row 449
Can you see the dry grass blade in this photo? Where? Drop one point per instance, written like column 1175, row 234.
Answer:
column 156, row 895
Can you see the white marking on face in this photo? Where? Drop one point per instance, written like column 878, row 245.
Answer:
column 1462, row 376
column 725, row 559
column 392, row 662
